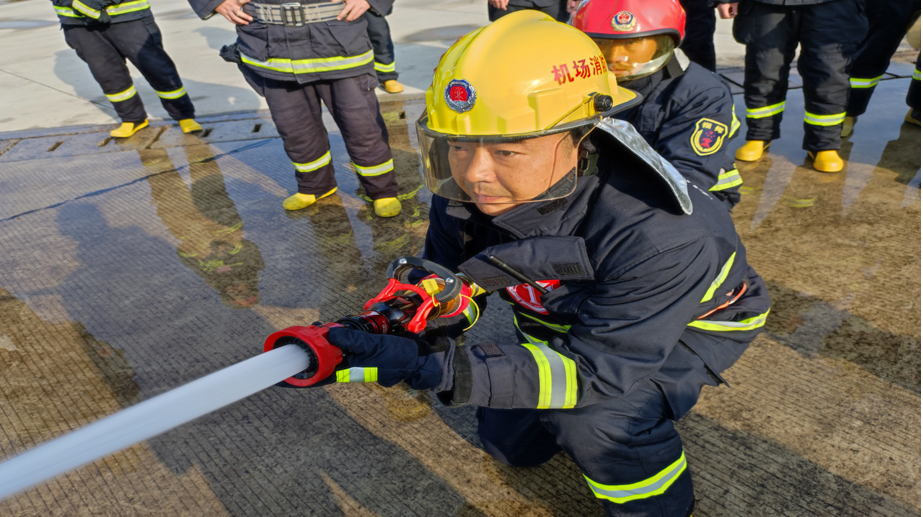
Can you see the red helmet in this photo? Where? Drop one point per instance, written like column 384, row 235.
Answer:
column 617, row 19
column 637, row 37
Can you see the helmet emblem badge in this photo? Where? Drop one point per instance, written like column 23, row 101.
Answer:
column 460, row 95
column 624, row 21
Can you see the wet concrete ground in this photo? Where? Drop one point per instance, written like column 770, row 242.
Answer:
column 129, row 268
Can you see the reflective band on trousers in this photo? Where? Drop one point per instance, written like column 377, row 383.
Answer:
column 381, row 67
column 175, row 94
column 767, row 111
column 128, row 7
column 122, row 96
column 357, row 375
column 313, row 166
column 655, row 485
column 727, row 180
column 722, row 276
column 735, row 122
column 856, row 82
column 731, row 326
column 67, row 11
column 824, row 120
column 916, row 74
column 85, row 9
column 557, row 375
column 375, row 170
column 307, row 66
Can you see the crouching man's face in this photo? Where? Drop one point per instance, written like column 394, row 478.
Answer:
column 501, row 176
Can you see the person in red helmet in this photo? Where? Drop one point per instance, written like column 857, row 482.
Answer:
column 687, row 114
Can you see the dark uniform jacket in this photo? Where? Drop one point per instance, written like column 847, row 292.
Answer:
column 126, row 11
column 316, row 51
column 641, row 287
column 778, row 2
column 687, row 116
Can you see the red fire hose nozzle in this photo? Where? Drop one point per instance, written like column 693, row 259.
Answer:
column 324, row 356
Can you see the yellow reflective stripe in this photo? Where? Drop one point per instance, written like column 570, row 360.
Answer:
column 175, row 94
column 557, row 374
column 916, row 74
column 722, row 276
column 313, row 166
column 655, row 485
column 552, row 326
column 735, row 122
column 824, row 120
column 85, row 9
column 381, row 67
column 375, row 170
column 858, row 82
column 731, row 326
column 358, row 375
column 767, row 111
column 128, row 7
column 306, row 66
column 124, row 95
column 727, row 180
column 67, row 11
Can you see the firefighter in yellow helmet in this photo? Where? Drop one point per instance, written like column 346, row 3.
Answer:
column 630, row 289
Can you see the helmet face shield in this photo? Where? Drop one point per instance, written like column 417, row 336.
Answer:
column 501, row 170
column 633, row 58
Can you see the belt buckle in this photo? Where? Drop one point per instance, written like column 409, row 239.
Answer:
column 292, row 14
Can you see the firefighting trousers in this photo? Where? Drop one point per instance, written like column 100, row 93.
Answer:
column 888, row 23
column 296, row 111
column 106, row 47
column 829, row 34
column 913, row 93
column 627, row 448
column 699, row 42
column 383, row 47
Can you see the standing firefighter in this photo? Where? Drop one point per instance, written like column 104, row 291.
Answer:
column 296, row 55
column 105, row 33
column 687, row 114
column 647, row 292
column 385, row 65
column 829, row 32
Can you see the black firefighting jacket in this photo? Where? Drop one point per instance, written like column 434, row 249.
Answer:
column 775, row 2
column 125, row 11
column 315, row 51
column 632, row 280
column 687, row 116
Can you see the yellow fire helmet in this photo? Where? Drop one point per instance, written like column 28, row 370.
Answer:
column 524, row 76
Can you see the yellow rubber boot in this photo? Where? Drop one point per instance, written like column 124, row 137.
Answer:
column 392, row 86
column 189, row 125
column 127, row 129
column 751, row 151
column 848, row 124
column 827, row 161
column 908, row 118
column 299, row 201
column 387, row 207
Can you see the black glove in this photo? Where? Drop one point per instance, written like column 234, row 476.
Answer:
column 425, row 363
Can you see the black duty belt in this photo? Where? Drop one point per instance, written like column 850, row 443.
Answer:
column 294, row 14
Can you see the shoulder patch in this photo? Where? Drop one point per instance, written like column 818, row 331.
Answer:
column 708, row 136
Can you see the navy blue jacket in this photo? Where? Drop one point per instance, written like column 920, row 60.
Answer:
column 635, row 273
column 687, row 117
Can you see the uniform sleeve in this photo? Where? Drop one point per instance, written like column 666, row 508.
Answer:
column 694, row 140
column 205, row 8
column 627, row 328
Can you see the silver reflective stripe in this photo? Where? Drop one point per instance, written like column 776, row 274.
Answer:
column 824, row 120
column 358, row 375
column 175, row 94
column 857, row 82
column 313, row 166
column 381, row 67
column 123, row 95
column 557, row 374
column 305, row 66
column 652, row 486
column 66, row 11
column 375, row 170
column 128, row 7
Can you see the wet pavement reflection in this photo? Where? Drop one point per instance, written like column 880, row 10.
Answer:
column 131, row 267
